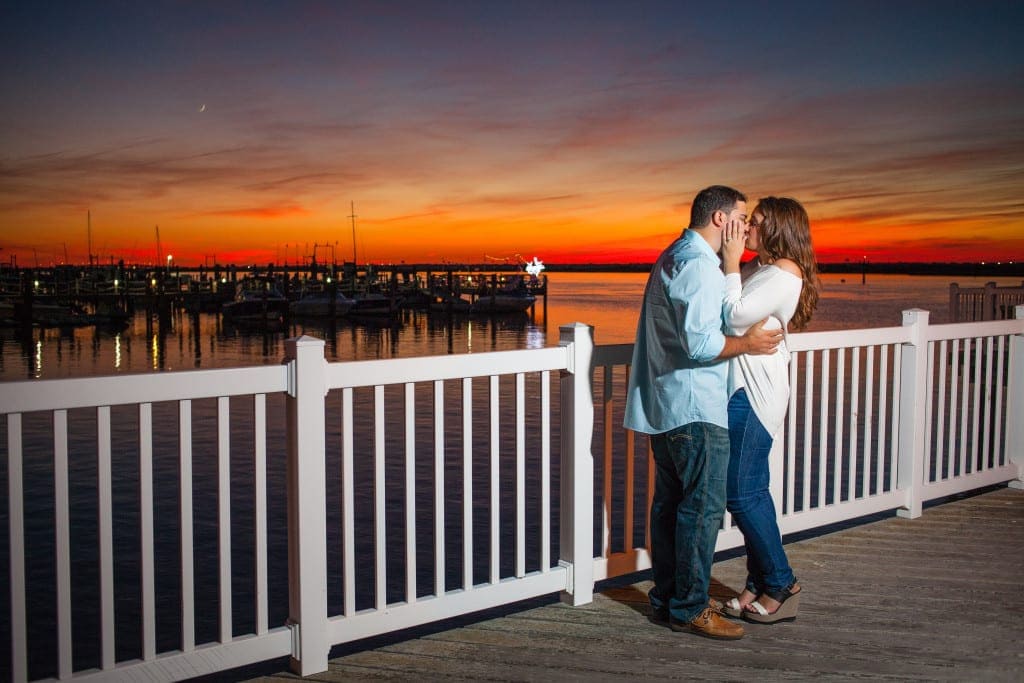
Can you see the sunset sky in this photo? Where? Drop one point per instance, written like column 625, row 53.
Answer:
column 570, row 131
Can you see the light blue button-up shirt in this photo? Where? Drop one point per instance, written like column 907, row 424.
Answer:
column 675, row 379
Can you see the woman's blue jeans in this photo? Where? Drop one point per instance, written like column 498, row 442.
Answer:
column 749, row 501
column 686, row 515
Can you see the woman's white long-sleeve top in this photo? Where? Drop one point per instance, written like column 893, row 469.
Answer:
column 773, row 293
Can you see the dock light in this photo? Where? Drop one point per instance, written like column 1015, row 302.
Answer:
column 328, row 280
column 35, row 284
column 170, row 258
column 153, row 282
column 223, row 280
column 116, row 283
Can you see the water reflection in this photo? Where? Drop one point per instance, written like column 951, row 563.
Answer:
column 184, row 341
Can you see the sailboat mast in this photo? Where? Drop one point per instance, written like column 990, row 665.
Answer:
column 353, row 217
column 88, row 223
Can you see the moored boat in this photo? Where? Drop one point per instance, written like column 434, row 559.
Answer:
column 374, row 303
column 255, row 302
column 321, row 306
column 449, row 304
column 503, row 303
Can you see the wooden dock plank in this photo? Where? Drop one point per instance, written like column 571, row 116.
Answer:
column 935, row 598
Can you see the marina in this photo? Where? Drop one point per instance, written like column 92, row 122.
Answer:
column 108, row 295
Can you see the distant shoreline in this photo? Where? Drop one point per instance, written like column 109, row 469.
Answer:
column 952, row 269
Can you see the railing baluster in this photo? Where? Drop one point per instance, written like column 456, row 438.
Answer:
column 260, row 510
column 851, row 475
column 976, row 464
column 188, row 612
column 62, row 539
column 869, row 416
column 966, row 466
column 545, row 471
column 789, row 505
column 805, row 484
column 999, row 423
column 16, row 530
column 495, row 481
column 929, row 386
column 348, row 505
column 823, row 429
column 606, row 489
column 106, row 548
column 520, row 475
column 837, row 467
column 146, row 530
column 379, row 518
column 467, row 483
column 986, row 454
column 630, row 465
column 410, row 492
column 883, row 404
column 956, row 453
column 894, row 428
column 439, row 537
column 224, row 514
column 942, row 462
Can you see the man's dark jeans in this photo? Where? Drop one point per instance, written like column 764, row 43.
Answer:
column 691, row 463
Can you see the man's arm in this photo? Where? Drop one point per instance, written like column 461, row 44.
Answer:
column 756, row 341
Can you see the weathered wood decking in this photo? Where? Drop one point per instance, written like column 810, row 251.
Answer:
column 940, row 597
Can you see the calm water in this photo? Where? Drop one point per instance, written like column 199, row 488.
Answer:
column 608, row 301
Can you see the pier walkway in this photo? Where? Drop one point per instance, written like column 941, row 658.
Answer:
column 934, row 598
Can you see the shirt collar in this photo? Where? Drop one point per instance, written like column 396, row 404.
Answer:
column 694, row 240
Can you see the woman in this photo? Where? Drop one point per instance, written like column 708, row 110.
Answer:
column 783, row 288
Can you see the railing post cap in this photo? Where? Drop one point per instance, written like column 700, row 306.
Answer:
column 912, row 315
column 304, row 340
column 575, row 332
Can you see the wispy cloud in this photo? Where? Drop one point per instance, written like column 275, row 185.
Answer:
column 283, row 211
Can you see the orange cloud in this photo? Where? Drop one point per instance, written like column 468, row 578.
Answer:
column 260, row 212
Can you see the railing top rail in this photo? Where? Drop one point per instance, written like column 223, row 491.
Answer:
column 352, row 374
column 88, row 392
column 841, row 339
column 987, row 288
column 964, row 330
column 613, row 354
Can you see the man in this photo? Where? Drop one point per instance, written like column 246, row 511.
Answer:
column 677, row 394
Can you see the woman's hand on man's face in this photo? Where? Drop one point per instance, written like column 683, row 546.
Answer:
column 734, row 235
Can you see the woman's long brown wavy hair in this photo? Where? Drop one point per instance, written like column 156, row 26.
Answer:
column 785, row 232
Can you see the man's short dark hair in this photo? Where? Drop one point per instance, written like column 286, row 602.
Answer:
column 711, row 199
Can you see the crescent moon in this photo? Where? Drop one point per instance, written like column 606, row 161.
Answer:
column 202, row 108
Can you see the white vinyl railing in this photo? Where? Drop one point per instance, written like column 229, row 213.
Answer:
column 200, row 521
column 991, row 302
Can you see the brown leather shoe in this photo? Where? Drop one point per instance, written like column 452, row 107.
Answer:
column 710, row 624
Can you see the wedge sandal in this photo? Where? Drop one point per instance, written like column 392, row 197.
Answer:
column 733, row 609
column 788, row 601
